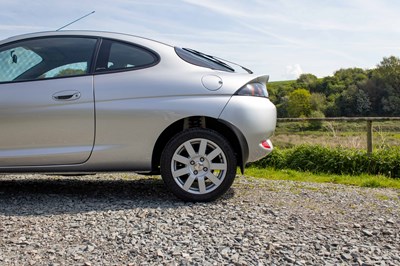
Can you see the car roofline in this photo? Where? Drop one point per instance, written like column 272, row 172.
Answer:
column 92, row 33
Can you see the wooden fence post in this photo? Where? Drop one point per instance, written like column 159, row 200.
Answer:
column 369, row 136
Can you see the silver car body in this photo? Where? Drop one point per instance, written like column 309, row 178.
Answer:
column 116, row 121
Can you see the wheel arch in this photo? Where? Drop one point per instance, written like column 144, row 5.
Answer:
column 229, row 131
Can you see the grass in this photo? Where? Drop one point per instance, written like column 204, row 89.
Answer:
column 291, row 140
column 372, row 181
column 334, row 134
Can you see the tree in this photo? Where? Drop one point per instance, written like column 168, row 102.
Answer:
column 354, row 102
column 278, row 94
column 330, row 85
column 389, row 71
column 386, row 86
column 281, row 108
column 391, row 105
column 372, row 88
column 332, row 107
column 351, row 76
column 299, row 103
column 363, row 104
column 308, row 81
column 318, row 102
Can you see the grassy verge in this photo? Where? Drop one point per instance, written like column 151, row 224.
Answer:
column 376, row 181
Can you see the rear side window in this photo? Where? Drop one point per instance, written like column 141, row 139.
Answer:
column 44, row 58
column 116, row 55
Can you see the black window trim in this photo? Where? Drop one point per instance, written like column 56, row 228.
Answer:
column 103, row 55
column 90, row 67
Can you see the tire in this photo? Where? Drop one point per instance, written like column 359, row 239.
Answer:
column 198, row 165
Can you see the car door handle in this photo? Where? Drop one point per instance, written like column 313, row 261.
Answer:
column 67, row 95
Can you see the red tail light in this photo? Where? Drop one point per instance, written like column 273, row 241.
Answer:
column 253, row 89
column 266, row 144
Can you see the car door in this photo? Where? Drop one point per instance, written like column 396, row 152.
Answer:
column 124, row 117
column 46, row 102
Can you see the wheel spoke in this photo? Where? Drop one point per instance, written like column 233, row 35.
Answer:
column 202, row 148
column 202, row 184
column 218, row 166
column 189, row 149
column 214, row 154
column 181, row 159
column 213, row 179
column 180, row 172
column 189, row 182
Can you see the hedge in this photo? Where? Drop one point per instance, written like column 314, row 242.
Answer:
column 319, row 159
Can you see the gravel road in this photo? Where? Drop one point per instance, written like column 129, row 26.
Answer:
column 127, row 219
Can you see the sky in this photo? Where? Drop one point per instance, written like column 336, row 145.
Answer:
column 281, row 38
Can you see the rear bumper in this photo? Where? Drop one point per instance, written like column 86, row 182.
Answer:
column 255, row 118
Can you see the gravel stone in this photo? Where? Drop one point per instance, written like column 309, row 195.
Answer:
column 346, row 256
column 390, row 221
column 129, row 219
column 367, row 232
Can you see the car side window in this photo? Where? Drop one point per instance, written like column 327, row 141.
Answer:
column 15, row 61
column 73, row 69
column 44, row 58
column 122, row 56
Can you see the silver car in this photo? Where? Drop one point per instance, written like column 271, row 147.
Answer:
column 84, row 101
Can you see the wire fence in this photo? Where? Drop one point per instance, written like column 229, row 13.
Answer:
column 355, row 132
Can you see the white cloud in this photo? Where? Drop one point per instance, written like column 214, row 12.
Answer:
column 293, row 71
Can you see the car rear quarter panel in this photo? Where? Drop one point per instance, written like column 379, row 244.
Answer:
column 255, row 117
column 133, row 108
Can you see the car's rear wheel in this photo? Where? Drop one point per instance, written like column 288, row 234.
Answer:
column 198, row 165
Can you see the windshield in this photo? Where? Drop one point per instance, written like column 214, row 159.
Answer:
column 204, row 60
